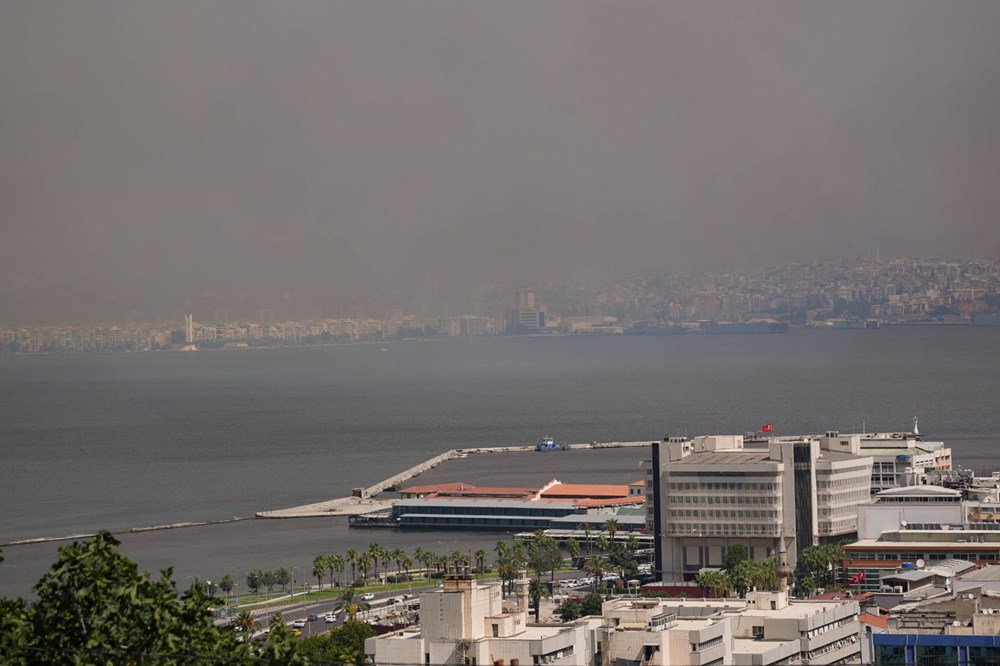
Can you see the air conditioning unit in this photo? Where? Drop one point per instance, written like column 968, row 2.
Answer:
column 898, row 589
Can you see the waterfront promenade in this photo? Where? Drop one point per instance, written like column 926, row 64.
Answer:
column 365, row 500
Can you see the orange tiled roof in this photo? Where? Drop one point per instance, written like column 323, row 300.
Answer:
column 880, row 621
column 586, row 490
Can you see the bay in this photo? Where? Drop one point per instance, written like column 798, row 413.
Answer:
column 132, row 440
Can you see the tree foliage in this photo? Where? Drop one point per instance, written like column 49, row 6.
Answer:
column 94, row 606
column 344, row 645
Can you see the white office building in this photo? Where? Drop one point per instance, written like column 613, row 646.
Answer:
column 709, row 493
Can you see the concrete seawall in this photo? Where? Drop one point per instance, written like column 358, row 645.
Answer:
column 366, row 500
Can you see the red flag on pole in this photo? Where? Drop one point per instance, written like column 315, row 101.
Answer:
column 766, row 427
column 856, row 578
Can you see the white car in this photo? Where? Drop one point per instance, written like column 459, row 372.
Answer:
column 298, row 624
column 330, row 619
column 368, row 596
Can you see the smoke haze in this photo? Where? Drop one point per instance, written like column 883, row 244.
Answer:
column 151, row 152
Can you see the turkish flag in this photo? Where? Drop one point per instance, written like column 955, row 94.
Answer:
column 856, row 578
column 766, row 427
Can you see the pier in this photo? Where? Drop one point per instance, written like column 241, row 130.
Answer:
column 365, row 500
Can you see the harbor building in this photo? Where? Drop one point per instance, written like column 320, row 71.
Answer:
column 903, row 459
column 706, row 494
column 465, row 506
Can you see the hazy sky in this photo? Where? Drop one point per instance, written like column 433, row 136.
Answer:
column 162, row 149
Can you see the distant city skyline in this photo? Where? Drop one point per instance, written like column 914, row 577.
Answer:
column 895, row 290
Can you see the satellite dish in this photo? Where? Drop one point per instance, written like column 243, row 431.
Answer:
column 920, row 564
column 903, row 523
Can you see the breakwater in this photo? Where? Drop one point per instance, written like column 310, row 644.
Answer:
column 365, row 500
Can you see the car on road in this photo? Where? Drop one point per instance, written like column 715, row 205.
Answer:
column 330, row 619
column 394, row 600
column 367, row 596
column 312, row 617
column 298, row 624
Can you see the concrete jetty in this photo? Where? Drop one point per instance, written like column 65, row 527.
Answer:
column 364, row 500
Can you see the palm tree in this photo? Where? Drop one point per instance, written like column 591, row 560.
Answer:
column 335, row 563
column 352, row 558
column 598, row 566
column 586, row 534
column 246, row 624
column 397, row 555
column 611, row 527
column 407, row 564
column 536, row 590
column 480, row 556
column 424, row 557
column 716, row 582
column 602, row 543
column 573, row 548
column 350, row 601
column 632, row 543
column 365, row 564
column 376, row 551
column 319, row 568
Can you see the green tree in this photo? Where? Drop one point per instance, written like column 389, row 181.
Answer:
column 397, row 555
column 254, row 581
column 715, row 582
column 283, row 577
column 602, row 543
column 569, row 610
column 378, row 554
column 585, row 528
column 94, row 605
column 335, row 564
column 350, row 601
column 226, row 584
column 573, row 548
column 352, row 559
column 544, row 555
column 319, row 568
column 598, row 567
column 821, row 563
column 480, row 556
column 623, row 562
column 365, row 562
column 341, row 646
column 611, row 527
column 592, row 604
column 246, row 624
column 632, row 542
column 536, row 590
column 734, row 555
column 510, row 561
column 280, row 646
